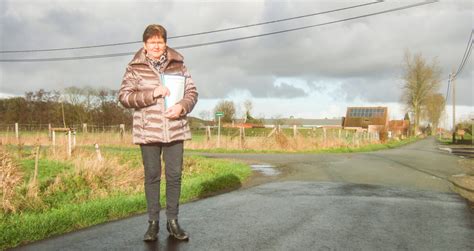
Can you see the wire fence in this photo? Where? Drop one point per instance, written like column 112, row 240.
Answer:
column 298, row 138
column 28, row 128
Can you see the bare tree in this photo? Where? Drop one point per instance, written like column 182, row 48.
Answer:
column 90, row 97
column 434, row 108
column 73, row 95
column 228, row 107
column 248, row 109
column 420, row 81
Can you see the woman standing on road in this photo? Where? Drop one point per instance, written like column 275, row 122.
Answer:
column 159, row 131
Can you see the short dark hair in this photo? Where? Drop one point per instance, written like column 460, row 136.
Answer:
column 154, row 30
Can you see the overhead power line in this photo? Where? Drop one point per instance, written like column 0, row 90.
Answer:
column 221, row 41
column 198, row 33
column 465, row 57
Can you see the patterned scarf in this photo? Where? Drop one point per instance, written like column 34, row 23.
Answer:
column 157, row 64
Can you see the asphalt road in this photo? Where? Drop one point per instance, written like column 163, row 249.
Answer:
column 419, row 166
column 388, row 200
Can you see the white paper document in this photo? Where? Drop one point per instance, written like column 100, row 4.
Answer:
column 175, row 84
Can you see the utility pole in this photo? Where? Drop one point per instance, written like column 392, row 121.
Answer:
column 219, row 132
column 451, row 76
column 219, row 115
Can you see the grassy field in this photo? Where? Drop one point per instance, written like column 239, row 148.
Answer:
column 376, row 146
column 70, row 194
column 468, row 139
column 259, row 139
column 256, row 140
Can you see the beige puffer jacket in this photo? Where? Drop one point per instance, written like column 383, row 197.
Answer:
column 149, row 122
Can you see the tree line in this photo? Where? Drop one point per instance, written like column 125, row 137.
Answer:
column 70, row 107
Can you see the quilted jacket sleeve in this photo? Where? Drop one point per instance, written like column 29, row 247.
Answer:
column 190, row 94
column 129, row 94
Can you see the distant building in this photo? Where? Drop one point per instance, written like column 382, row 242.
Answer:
column 399, row 127
column 238, row 124
column 289, row 122
column 370, row 118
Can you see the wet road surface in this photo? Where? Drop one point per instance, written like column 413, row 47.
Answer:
column 419, row 166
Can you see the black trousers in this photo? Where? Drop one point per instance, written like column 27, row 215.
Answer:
column 173, row 159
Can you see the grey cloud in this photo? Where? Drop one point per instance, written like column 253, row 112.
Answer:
column 221, row 82
column 362, row 56
column 285, row 91
column 65, row 22
column 381, row 90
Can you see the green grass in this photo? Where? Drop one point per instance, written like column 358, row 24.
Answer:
column 373, row 147
column 468, row 139
column 60, row 212
column 27, row 227
column 47, row 169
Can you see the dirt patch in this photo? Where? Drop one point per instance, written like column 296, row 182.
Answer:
column 464, row 186
column 467, row 165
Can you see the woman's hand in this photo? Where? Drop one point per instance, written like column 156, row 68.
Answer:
column 161, row 91
column 174, row 112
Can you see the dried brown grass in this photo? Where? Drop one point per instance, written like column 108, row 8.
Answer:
column 42, row 138
column 89, row 179
column 103, row 177
column 277, row 142
column 10, row 178
column 282, row 142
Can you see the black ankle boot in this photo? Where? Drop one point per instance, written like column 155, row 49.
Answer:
column 152, row 231
column 176, row 231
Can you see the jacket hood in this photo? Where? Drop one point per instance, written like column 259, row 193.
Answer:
column 140, row 56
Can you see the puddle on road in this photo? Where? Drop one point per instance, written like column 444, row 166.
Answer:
column 265, row 169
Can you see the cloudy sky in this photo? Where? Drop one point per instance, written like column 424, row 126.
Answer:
column 309, row 73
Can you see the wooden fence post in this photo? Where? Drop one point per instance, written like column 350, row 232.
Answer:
column 358, row 139
column 74, row 139
column 17, row 134
column 69, row 144
column 242, row 137
column 8, row 134
column 33, row 187
column 53, row 135
column 35, row 175
column 294, row 131
column 97, row 151
column 272, row 132
column 324, row 134
column 122, row 130
column 208, row 133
